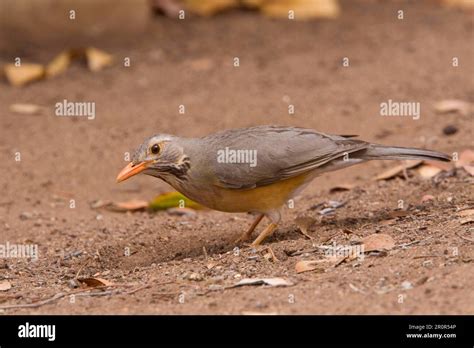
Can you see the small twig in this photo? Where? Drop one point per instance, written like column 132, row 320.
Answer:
column 205, row 252
column 82, row 292
column 465, row 238
column 81, row 268
column 411, row 243
column 275, row 259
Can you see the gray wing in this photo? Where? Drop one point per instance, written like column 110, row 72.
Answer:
column 281, row 153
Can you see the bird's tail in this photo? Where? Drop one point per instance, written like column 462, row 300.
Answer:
column 381, row 152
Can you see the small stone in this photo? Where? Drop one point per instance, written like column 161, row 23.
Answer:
column 215, row 287
column 450, row 130
column 427, row 198
column 406, row 285
column 195, row 277
column 99, row 217
column 26, row 215
column 72, row 283
column 181, row 212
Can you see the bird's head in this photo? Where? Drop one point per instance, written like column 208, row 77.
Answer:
column 160, row 156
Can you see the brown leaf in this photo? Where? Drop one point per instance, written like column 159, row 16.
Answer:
column 454, row 105
column 59, row 64
column 97, row 59
column 274, row 282
column 378, row 242
column 341, row 187
column 398, row 213
column 304, row 223
column 25, row 109
column 132, row 205
column 427, row 198
column 462, row 4
column 398, row 170
column 427, row 171
column 465, row 158
column 469, row 170
column 303, row 9
column 466, row 161
column 466, row 212
column 201, row 64
column 467, row 220
column 209, row 7
column 441, row 165
column 95, row 282
column 310, row 265
column 23, row 74
column 5, row 285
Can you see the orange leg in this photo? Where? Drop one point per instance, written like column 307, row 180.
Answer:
column 246, row 235
column 265, row 233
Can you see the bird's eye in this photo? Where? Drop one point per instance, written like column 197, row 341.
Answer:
column 155, row 149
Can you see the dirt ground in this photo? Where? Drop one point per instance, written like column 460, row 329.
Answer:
column 187, row 264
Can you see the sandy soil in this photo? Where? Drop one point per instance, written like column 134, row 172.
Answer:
column 190, row 63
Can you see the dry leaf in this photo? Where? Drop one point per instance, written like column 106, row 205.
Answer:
column 466, row 212
column 25, row 109
column 441, row 165
column 97, row 59
column 469, row 170
column 427, row 171
column 466, row 161
column 253, row 3
column 341, row 187
column 132, row 205
column 59, row 64
column 305, row 266
column 398, row 213
column 427, row 198
column 304, row 223
column 201, row 64
column 302, row 9
column 454, row 105
column 274, row 282
column 465, row 158
column 209, row 7
column 378, row 242
column 95, row 282
column 398, row 170
column 467, row 220
column 5, row 285
column 463, row 4
column 23, row 74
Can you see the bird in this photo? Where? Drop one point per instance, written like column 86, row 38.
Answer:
column 256, row 169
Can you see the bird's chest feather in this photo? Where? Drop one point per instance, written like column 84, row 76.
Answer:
column 260, row 199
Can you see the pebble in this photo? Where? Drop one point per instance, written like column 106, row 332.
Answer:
column 195, row 276
column 406, row 285
column 26, row 215
column 450, row 130
column 181, row 212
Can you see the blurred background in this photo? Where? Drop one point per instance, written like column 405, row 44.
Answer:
column 195, row 67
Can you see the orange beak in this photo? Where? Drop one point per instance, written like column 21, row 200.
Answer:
column 131, row 170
